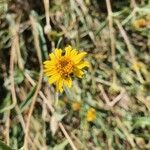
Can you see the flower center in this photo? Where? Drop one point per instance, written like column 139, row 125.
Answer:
column 65, row 66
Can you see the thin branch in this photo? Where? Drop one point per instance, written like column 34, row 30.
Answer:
column 127, row 134
column 52, row 111
column 130, row 49
column 106, row 98
column 67, row 136
column 133, row 4
column 118, row 98
column 13, row 93
column 47, row 26
column 112, row 37
column 20, row 64
column 7, row 124
column 19, row 58
column 36, row 43
column 12, row 60
column 31, row 110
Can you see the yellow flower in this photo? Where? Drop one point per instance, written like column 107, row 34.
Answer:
column 91, row 115
column 76, row 106
column 137, row 65
column 62, row 65
column 139, row 23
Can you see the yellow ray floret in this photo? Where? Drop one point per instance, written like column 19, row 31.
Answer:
column 91, row 115
column 62, row 65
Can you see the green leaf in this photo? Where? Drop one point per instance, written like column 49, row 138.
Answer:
column 19, row 76
column 42, row 41
column 58, row 116
column 28, row 100
column 69, row 94
column 6, row 103
column 142, row 122
column 61, row 146
column 4, row 146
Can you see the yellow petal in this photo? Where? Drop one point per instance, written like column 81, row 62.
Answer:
column 49, row 64
column 68, row 82
column 74, row 52
column 46, row 62
column 68, row 50
column 59, row 85
column 53, row 79
column 49, row 68
column 50, row 72
column 52, row 56
column 79, row 57
column 79, row 73
column 83, row 64
column 58, row 52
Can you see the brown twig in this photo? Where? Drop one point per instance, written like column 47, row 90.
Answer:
column 130, row 49
column 14, row 49
column 48, row 28
column 118, row 98
column 112, row 37
column 52, row 110
column 103, row 81
column 46, row 6
column 128, row 135
column 31, row 110
column 20, row 64
column 133, row 4
column 19, row 58
column 36, row 43
column 106, row 98
column 67, row 136
column 7, row 124
column 12, row 60
column 12, row 86
column 88, row 19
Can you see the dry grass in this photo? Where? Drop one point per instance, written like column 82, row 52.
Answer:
column 117, row 84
